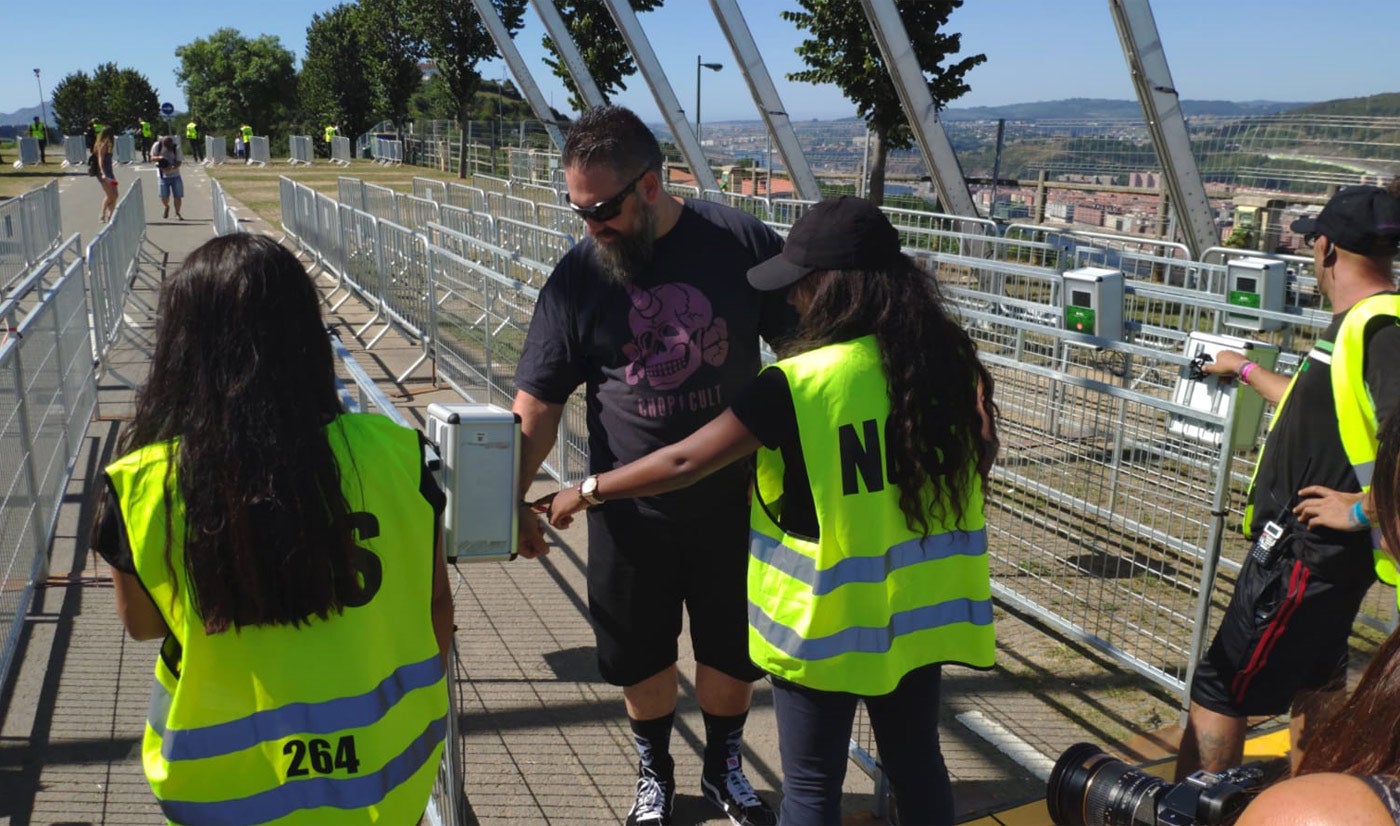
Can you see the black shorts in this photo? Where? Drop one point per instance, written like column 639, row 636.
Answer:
column 1285, row 631
column 643, row 567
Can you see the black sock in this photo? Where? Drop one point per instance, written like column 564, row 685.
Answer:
column 653, row 739
column 724, row 736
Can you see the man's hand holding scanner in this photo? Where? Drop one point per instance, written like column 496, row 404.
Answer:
column 1226, row 364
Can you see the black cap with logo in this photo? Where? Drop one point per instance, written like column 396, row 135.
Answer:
column 1361, row 219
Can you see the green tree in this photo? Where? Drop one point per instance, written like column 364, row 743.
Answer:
column 230, row 80
column 601, row 45
column 392, row 52
column 115, row 96
column 334, row 85
column 842, row 50
column 456, row 41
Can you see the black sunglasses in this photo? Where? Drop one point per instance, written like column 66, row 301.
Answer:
column 609, row 209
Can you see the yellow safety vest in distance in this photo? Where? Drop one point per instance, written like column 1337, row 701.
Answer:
column 36, row 130
column 871, row 600
column 247, row 133
column 1356, row 414
column 338, row 722
column 191, row 131
column 145, row 129
column 330, row 133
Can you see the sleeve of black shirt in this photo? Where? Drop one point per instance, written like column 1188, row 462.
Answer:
column 765, row 408
column 550, row 365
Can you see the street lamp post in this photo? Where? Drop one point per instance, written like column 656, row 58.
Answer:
column 714, row 67
column 43, row 110
column 769, row 164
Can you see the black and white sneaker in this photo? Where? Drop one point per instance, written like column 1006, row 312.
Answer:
column 735, row 795
column 656, row 795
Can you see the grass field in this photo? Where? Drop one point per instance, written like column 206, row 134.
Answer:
column 15, row 182
column 256, row 187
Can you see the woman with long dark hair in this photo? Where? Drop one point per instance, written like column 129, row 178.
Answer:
column 868, row 565
column 106, row 173
column 286, row 552
column 1350, row 773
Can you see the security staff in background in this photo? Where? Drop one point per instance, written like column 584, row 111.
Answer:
column 867, row 564
column 1282, row 644
column 330, row 134
column 193, row 140
column 247, row 140
column 40, row 133
column 147, row 133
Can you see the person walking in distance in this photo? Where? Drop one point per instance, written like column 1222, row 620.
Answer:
column 106, row 174
column 1282, row 644
column 865, row 575
column 247, row 140
column 287, row 552
column 192, row 139
column 168, row 160
column 651, row 313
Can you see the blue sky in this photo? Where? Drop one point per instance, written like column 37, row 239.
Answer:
column 1036, row 49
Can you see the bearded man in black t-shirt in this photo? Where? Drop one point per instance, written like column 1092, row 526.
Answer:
column 653, row 315
column 1282, row 644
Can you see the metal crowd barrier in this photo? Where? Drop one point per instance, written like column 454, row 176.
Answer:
column 388, row 151
column 225, row 221
column 301, row 150
column 113, row 261
column 28, row 152
column 258, row 151
column 46, row 373
column 340, row 150
column 30, row 225
column 124, row 149
column 75, row 150
column 215, row 150
column 430, row 188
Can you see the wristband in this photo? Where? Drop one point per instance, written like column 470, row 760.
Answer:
column 1245, row 370
column 1358, row 516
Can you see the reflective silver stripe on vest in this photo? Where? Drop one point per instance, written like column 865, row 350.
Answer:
column 1320, row 356
column 294, row 718
column 1364, row 472
column 354, row 792
column 869, row 640
column 803, row 568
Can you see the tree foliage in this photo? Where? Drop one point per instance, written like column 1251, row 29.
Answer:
column 392, row 52
column 601, row 45
column 115, row 96
column 230, row 80
column 842, row 50
column 456, row 40
column 334, row 84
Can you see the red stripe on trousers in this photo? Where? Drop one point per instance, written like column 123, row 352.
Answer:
column 1297, row 584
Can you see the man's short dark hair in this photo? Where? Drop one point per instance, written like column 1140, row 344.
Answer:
column 613, row 137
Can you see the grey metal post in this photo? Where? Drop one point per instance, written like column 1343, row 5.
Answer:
column 666, row 100
column 765, row 95
column 714, row 67
column 919, row 107
column 523, row 78
column 568, row 51
column 1161, row 105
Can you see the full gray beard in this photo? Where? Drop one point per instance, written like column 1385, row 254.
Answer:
column 627, row 256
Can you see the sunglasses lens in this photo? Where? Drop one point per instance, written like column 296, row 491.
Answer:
column 605, row 212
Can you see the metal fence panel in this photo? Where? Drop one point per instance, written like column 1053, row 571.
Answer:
column 259, row 152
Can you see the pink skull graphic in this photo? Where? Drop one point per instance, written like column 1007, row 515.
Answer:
column 673, row 331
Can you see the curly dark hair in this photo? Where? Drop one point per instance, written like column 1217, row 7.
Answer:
column 612, row 137
column 243, row 376
column 938, row 387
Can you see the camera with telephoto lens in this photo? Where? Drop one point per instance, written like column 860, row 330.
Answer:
column 163, row 162
column 1089, row 788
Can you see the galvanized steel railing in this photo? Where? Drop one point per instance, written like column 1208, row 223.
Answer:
column 300, row 149
column 225, row 221
column 113, row 260
column 30, row 226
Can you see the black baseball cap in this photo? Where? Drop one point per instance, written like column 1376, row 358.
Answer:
column 845, row 233
column 1361, row 219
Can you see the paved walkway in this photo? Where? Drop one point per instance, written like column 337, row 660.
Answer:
column 546, row 740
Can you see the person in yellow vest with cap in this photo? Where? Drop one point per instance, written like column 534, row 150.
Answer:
column 868, row 554
column 1282, row 644
column 247, row 140
column 288, row 553
column 40, row 133
column 330, row 134
column 193, row 140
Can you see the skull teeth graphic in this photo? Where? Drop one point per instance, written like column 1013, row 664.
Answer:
column 674, row 331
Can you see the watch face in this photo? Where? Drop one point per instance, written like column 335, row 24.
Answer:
column 590, row 486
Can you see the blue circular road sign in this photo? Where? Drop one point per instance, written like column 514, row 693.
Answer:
column 167, row 109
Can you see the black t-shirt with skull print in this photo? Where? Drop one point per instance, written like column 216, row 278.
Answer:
column 665, row 354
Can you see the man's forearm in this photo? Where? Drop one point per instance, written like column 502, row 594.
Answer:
column 539, row 428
